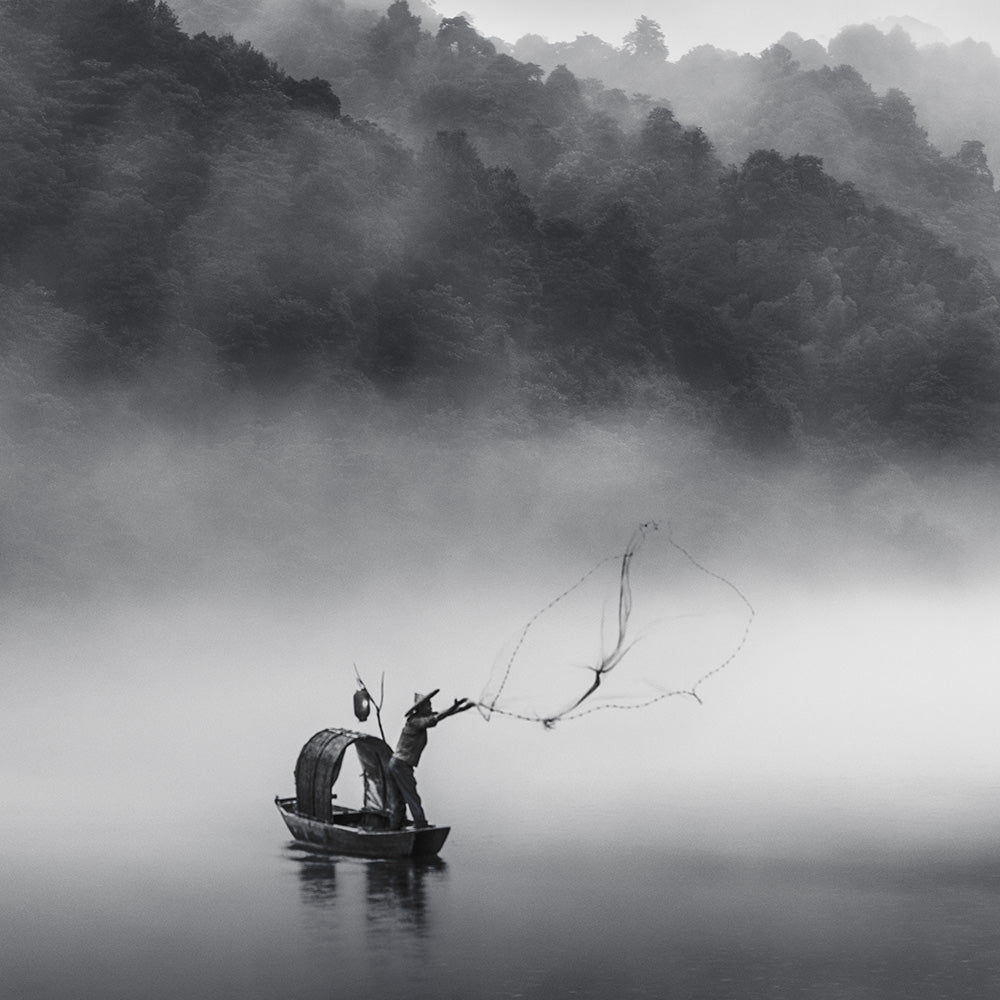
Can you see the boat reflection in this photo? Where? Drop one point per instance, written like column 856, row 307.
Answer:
column 393, row 895
column 398, row 891
column 317, row 877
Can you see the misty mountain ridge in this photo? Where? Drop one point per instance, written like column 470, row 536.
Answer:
column 789, row 98
column 398, row 220
column 725, row 94
column 920, row 32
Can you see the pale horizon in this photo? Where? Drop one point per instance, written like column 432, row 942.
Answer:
column 721, row 23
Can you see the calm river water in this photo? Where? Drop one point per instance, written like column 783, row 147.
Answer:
column 251, row 916
column 827, row 833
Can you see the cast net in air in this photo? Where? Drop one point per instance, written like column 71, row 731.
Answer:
column 644, row 625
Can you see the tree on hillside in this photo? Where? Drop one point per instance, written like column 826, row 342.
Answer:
column 777, row 61
column 645, row 42
column 972, row 156
column 393, row 41
column 456, row 34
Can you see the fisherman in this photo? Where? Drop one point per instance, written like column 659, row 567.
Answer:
column 412, row 741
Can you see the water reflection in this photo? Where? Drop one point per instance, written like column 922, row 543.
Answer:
column 380, row 901
column 317, row 877
column 398, row 891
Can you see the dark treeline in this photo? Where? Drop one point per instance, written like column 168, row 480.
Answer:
column 413, row 212
column 902, row 123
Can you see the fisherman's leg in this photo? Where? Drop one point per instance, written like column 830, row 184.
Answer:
column 406, row 782
column 412, row 796
column 416, row 806
column 397, row 801
column 397, row 807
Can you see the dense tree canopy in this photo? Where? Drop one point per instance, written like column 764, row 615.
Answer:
column 889, row 117
column 422, row 213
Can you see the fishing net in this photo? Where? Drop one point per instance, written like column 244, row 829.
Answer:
column 646, row 624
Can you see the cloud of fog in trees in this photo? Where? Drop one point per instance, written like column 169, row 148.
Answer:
column 243, row 494
column 723, row 23
column 719, row 22
column 367, row 490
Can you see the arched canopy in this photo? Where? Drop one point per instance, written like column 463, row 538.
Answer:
column 318, row 768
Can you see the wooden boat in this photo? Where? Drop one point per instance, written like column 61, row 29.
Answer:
column 316, row 821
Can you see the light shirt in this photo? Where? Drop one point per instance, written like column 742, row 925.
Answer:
column 413, row 738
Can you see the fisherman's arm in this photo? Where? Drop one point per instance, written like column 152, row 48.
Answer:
column 458, row 705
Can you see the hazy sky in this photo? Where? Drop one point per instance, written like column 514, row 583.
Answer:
column 724, row 23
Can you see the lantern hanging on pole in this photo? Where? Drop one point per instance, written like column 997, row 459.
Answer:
column 362, row 703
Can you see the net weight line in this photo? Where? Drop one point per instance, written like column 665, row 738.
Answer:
column 617, row 654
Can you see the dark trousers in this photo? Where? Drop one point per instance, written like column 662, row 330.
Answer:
column 406, row 782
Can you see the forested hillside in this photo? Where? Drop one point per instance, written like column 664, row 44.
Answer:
column 911, row 128
column 186, row 218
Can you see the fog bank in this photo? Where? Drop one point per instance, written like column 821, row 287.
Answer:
column 298, row 504
column 186, row 607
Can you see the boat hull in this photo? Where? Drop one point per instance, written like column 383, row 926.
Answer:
column 347, row 838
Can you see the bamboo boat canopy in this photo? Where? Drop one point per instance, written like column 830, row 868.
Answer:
column 319, row 764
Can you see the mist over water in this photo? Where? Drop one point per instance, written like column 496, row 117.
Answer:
column 829, row 806
column 213, row 521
